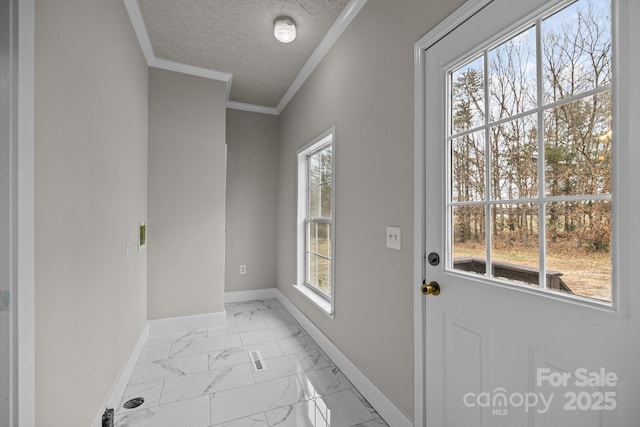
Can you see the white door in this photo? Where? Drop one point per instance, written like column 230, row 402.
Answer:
column 520, row 126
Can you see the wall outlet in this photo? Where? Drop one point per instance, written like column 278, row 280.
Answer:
column 394, row 238
column 243, row 269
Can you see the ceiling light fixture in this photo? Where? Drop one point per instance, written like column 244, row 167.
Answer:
column 284, row 29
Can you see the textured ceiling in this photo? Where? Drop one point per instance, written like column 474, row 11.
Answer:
column 236, row 37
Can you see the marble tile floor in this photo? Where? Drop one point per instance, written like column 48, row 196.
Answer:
column 205, row 378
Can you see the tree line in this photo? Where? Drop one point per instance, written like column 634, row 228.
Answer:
column 576, row 59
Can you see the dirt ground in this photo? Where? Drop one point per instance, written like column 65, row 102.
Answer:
column 587, row 273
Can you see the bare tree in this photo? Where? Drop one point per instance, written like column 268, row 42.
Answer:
column 576, row 59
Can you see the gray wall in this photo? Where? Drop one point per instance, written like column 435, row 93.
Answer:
column 365, row 87
column 90, row 192
column 186, row 195
column 252, row 168
column 8, row 217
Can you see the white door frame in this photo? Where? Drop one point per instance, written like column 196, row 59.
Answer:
column 24, row 228
column 454, row 20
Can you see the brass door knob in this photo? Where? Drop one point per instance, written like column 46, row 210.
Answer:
column 431, row 288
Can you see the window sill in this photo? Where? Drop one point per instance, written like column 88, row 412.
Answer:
column 317, row 300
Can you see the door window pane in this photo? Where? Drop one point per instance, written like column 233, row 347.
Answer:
column 514, row 251
column 578, row 146
column 512, row 78
column 468, row 167
column 579, row 246
column 467, row 96
column 469, row 250
column 514, row 159
column 576, row 46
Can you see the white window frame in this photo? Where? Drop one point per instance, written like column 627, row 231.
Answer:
column 320, row 299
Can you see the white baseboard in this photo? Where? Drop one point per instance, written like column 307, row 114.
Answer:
column 241, row 296
column 154, row 327
column 185, row 323
column 385, row 407
column 117, row 390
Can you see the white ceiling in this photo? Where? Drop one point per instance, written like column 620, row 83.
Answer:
column 232, row 40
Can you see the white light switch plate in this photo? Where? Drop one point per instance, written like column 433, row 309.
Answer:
column 394, row 238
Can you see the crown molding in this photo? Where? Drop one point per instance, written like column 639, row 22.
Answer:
column 135, row 15
column 179, row 67
column 342, row 22
column 252, row 108
column 229, row 82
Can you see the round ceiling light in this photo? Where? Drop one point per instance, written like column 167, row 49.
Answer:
column 284, row 29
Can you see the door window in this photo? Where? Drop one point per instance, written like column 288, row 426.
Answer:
column 529, row 155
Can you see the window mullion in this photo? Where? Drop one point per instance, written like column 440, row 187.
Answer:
column 307, row 231
column 317, row 267
column 488, row 169
column 542, row 223
column 320, row 220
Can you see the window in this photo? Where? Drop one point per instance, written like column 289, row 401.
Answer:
column 316, row 212
column 529, row 155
